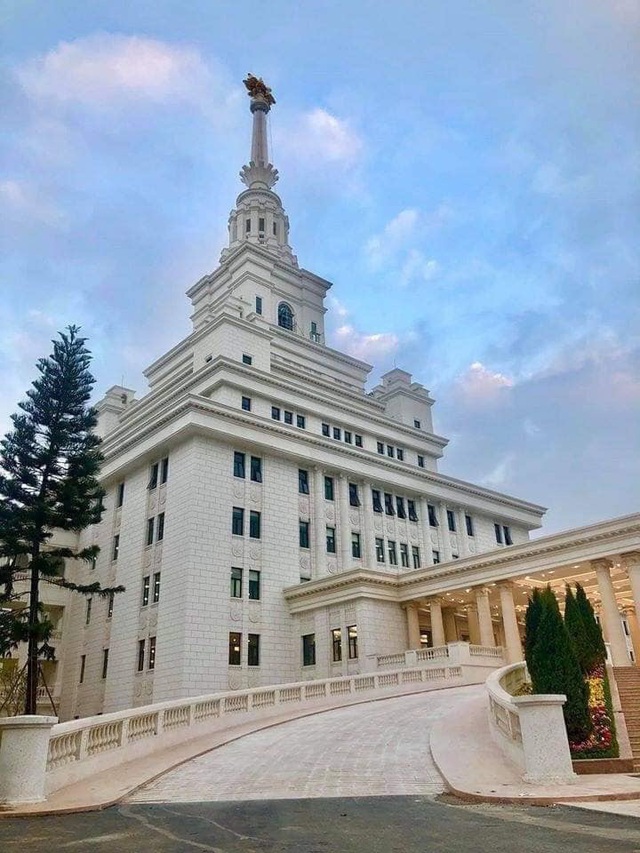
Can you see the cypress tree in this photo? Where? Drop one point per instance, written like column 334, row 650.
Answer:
column 555, row 668
column 593, row 631
column 577, row 630
column 531, row 623
column 49, row 463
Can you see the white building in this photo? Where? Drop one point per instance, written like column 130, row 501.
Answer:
column 257, row 463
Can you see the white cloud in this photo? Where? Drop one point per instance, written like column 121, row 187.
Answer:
column 106, row 70
column 499, row 475
column 370, row 348
column 481, row 385
column 317, row 139
column 396, row 234
column 394, row 247
column 20, row 200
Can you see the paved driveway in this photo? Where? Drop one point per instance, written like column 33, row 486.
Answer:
column 373, row 749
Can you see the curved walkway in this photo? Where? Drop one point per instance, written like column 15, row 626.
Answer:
column 373, row 749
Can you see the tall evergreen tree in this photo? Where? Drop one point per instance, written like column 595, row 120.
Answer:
column 531, row 621
column 49, row 463
column 597, row 648
column 555, row 668
column 577, row 630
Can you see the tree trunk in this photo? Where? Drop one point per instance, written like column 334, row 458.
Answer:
column 31, row 700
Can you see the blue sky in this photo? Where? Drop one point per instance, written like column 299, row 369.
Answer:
column 465, row 172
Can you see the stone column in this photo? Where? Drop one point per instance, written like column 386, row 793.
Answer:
column 426, row 558
column 413, row 626
column 369, row 544
column 445, row 541
column 319, row 524
column 630, row 561
column 24, row 743
column 450, row 628
column 484, row 617
column 513, row 650
column 437, row 625
column 463, row 541
column 613, row 631
column 344, row 532
column 634, row 630
column 474, row 625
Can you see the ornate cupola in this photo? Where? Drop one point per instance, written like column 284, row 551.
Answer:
column 258, row 217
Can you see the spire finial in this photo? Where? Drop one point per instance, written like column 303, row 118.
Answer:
column 259, row 174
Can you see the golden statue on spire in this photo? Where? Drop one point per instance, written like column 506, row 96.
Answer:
column 257, row 88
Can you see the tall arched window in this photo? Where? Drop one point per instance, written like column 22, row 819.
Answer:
column 285, row 316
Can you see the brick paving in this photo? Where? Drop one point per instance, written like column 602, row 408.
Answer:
column 373, row 749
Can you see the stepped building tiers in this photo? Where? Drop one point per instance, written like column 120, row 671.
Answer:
column 274, row 521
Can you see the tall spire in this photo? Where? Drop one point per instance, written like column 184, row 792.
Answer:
column 258, row 217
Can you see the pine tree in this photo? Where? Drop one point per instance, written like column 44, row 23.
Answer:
column 531, row 623
column 49, row 463
column 577, row 630
column 555, row 668
column 598, row 650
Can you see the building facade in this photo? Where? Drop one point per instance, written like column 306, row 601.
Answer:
column 270, row 518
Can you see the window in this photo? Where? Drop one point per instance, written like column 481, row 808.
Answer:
column 146, row 582
column 326, row 429
column 375, row 500
column 313, row 333
column 83, row 664
column 303, row 481
column 156, row 588
column 420, row 461
column 300, row 423
column 380, row 550
column 236, row 582
column 116, row 547
column 411, row 509
column 258, row 304
column 160, row 528
column 404, row 555
column 246, row 404
column 254, row 525
column 415, row 555
column 153, row 477
column 451, row 520
column 150, row 524
column 416, row 424
column 164, row 473
column 275, row 229
column 433, row 518
column 87, row 615
column 358, row 440
column 336, row 645
column 288, row 417
column 238, row 464
column 308, row 650
column 347, row 436
column 253, row 650
column 355, row 546
column 331, row 540
column 400, row 454
column 380, row 447
column 152, row 653
column 237, row 521
column 400, row 507
column 261, row 226
column 469, row 524
column 275, row 413
column 393, row 557
column 390, row 450
column 436, row 556
column 388, row 504
column 354, row 498
column 247, row 226
column 235, row 641
column 105, row 662
column 254, row 585
column 256, row 469
column 304, row 534
column 246, row 359
column 507, row 536
column 337, row 433
column 352, row 634
column 285, row 316
column 141, row 651
column 498, row 532
column 120, row 494
column 328, row 488
column 110, row 601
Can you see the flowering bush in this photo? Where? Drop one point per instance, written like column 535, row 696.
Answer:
column 602, row 742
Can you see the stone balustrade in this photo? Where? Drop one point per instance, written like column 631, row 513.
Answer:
column 529, row 729
column 453, row 653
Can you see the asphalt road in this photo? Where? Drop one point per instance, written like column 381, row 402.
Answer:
column 363, row 825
